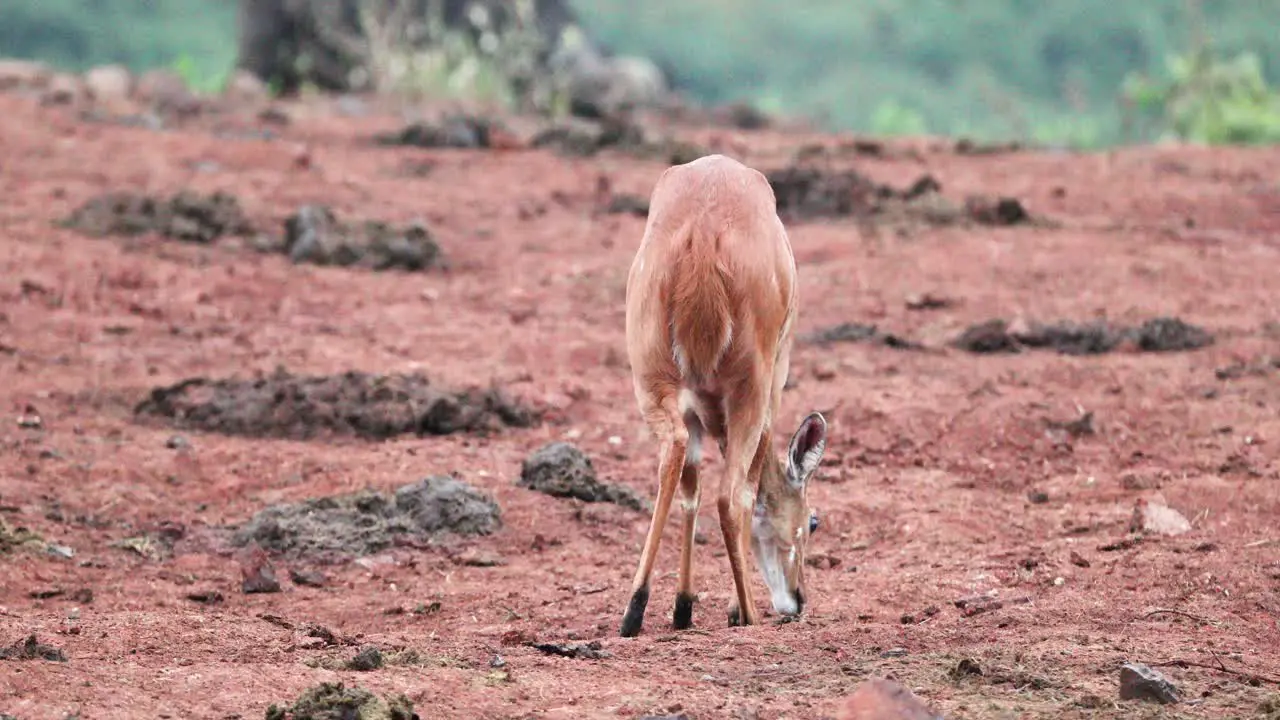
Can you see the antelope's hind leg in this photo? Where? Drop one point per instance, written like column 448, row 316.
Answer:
column 690, row 497
column 674, row 437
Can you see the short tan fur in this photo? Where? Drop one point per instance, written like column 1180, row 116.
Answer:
column 711, row 309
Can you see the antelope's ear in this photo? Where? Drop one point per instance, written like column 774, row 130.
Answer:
column 805, row 451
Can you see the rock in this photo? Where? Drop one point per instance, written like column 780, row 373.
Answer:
column 159, row 83
column 257, row 574
column 608, row 87
column 63, row 89
column 881, row 699
column 824, row 371
column 166, row 92
column 458, row 131
column 308, row 578
column 590, row 651
column 927, row 301
column 560, row 469
column 206, row 597
column 32, row 649
column 1158, row 518
column 1139, row 682
column 369, row 658
column 23, row 75
column 245, row 87
column 626, row 203
column 997, row 211
column 109, row 83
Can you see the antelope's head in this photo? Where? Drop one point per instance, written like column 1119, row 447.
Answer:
column 782, row 520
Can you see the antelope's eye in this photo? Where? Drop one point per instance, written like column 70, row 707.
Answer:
column 813, row 522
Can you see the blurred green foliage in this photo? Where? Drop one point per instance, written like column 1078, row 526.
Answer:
column 195, row 37
column 1052, row 71
column 1208, row 100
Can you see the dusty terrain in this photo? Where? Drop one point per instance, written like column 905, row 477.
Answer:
column 950, row 474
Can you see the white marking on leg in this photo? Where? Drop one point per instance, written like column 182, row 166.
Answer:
column 728, row 340
column 682, row 361
column 693, row 452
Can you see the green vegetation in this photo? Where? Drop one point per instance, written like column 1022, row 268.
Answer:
column 1077, row 72
column 197, row 37
column 1210, row 101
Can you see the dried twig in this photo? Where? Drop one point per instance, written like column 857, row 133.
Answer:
column 1247, row 676
column 1167, row 611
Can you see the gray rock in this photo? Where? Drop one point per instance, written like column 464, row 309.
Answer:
column 109, row 82
column 369, row 658
column 1139, row 682
column 63, row 89
column 562, row 470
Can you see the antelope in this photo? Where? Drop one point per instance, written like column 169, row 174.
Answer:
column 711, row 303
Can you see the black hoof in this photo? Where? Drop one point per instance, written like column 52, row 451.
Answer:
column 682, row 619
column 735, row 616
column 634, row 616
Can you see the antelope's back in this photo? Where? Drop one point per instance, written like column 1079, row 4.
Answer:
column 712, row 215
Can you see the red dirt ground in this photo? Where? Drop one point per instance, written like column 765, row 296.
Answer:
column 923, row 498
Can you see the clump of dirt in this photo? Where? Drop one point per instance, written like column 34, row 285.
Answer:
column 32, row 649
column 1092, row 338
column 562, row 470
column 1170, row 335
column 301, row 407
column 996, row 211
column 367, row 659
column 335, row 701
column 585, row 139
column 589, row 651
column 857, row 332
column 257, row 574
column 186, row 216
column 368, row 522
column 459, row 131
column 805, row 191
column 627, row 204
column 12, row 538
column 314, row 235
column 969, row 146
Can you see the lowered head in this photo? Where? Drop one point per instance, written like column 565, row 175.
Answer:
column 782, row 519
